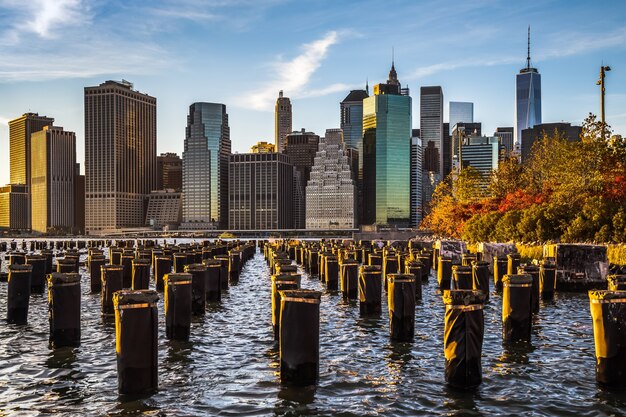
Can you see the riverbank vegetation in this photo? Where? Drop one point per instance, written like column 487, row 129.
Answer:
column 565, row 192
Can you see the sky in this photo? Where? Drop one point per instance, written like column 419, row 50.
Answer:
column 242, row 52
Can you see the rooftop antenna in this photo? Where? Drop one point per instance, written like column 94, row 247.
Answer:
column 392, row 56
column 528, row 56
column 367, row 85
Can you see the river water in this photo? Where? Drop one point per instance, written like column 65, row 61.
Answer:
column 230, row 366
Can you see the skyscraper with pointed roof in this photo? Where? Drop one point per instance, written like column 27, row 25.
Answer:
column 282, row 121
column 386, row 154
column 527, row 98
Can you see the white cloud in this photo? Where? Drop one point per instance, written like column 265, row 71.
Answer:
column 42, row 16
column 293, row 76
column 4, row 120
column 572, row 43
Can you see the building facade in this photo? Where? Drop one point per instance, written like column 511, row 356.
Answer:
column 263, row 147
column 205, row 167
column 120, row 156
column 14, row 207
column 431, row 124
column 164, row 209
column 260, row 192
column 416, row 178
column 386, row 154
column 20, row 131
column 506, row 138
column 169, row 172
column 483, row 154
column 460, row 132
column 53, row 157
column 301, row 146
column 331, row 190
column 282, row 121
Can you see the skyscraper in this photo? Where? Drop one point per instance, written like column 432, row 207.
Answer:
column 537, row 132
column 460, row 132
column 260, row 191
column 14, row 207
column 20, row 131
column 483, row 154
column 301, row 146
column 506, row 138
column 431, row 123
column 386, row 154
column 460, row 111
column 416, row 178
column 205, row 167
column 120, row 156
column 53, row 156
column 331, row 191
column 282, row 120
column 527, row 98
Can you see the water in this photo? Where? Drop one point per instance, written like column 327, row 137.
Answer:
column 230, row 366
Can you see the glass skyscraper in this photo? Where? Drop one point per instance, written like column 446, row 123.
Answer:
column 386, row 154
column 460, row 112
column 205, row 167
column 527, row 98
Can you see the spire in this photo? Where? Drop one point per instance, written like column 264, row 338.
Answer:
column 367, row 85
column 393, row 75
column 528, row 56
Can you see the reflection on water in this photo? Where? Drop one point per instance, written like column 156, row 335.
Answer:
column 230, row 366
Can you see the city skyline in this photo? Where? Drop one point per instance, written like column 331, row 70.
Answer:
column 316, row 66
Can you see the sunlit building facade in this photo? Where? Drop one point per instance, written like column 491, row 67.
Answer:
column 282, row 121
column 53, row 156
column 120, row 156
column 386, row 154
column 417, row 153
column 14, row 207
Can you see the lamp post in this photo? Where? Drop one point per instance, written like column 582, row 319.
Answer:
column 603, row 70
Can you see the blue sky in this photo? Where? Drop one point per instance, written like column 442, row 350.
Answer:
column 241, row 52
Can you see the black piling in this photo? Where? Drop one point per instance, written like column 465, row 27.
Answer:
column 18, row 293
column 127, row 274
column 140, row 275
column 299, row 337
column 162, row 266
column 281, row 283
column 533, row 271
column 177, row 305
column 463, row 337
column 213, row 284
column 500, row 266
column 95, row 272
column 64, row 309
column 547, row 280
column 349, row 272
column 461, row 278
column 66, row 265
column 516, row 308
column 136, row 330
column 331, row 272
column 480, row 277
column 444, row 273
column 415, row 268
column 370, row 290
column 38, row 277
column 112, row 281
column 198, row 288
column 513, row 262
column 608, row 313
column 401, row 302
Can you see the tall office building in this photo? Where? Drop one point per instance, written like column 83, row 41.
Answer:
column 352, row 117
column 331, row 191
column 431, row 123
column 164, row 209
column 483, row 154
column 53, row 157
column 506, row 138
column 205, row 167
column 14, row 207
column 79, row 201
column 282, row 121
column 416, row 178
column 301, row 146
column 430, row 173
column 260, row 192
column 120, row 156
column 386, row 154
column 20, row 131
column 263, row 147
column 169, row 172
column 527, row 98
column 460, row 112
column 446, row 150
